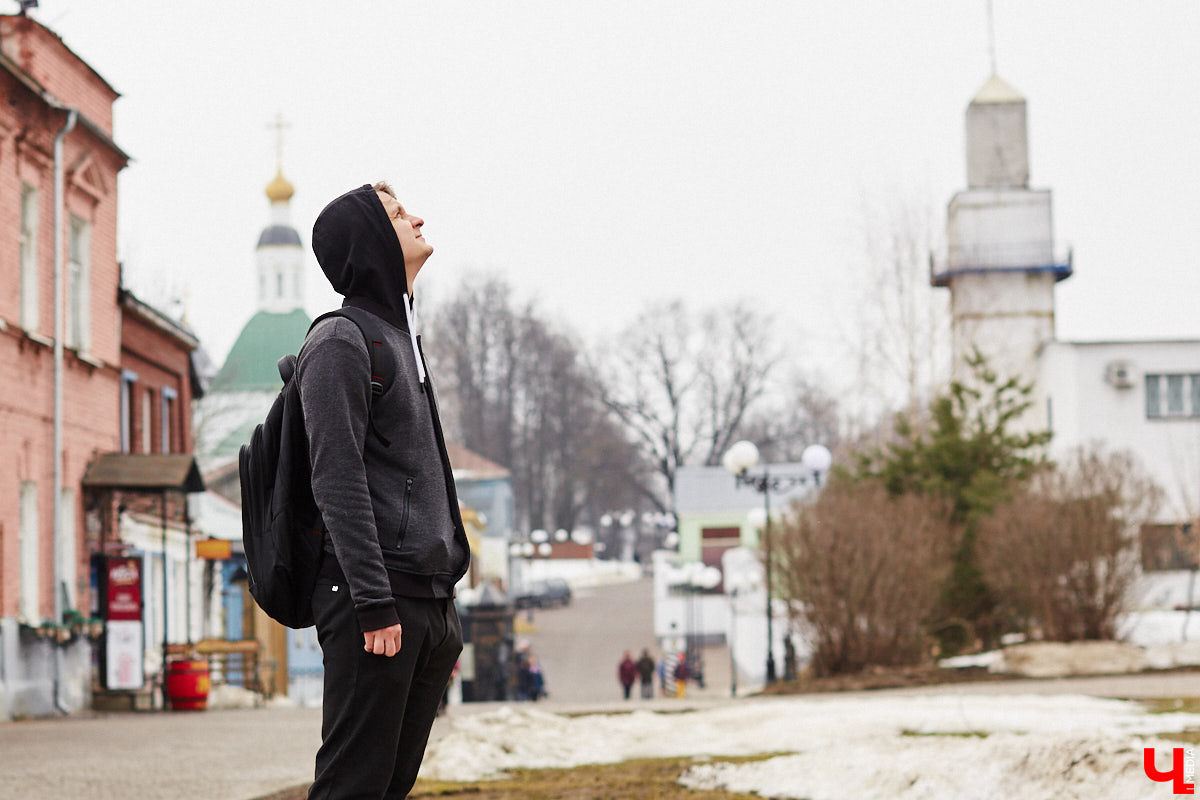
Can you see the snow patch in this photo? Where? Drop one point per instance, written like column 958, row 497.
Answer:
column 907, row 747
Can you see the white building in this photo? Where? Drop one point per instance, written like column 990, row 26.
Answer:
column 1001, row 266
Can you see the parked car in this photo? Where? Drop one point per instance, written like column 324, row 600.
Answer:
column 544, row 594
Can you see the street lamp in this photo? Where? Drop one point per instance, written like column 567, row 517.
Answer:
column 694, row 579
column 739, row 459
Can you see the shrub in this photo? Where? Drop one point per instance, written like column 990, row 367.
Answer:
column 865, row 569
column 1061, row 554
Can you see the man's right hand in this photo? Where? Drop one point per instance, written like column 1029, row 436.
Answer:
column 384, row 641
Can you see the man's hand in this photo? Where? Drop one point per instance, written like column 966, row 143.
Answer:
column 384, row 641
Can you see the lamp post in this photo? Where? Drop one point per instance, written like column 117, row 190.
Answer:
column 739, row 459
column 692, row 580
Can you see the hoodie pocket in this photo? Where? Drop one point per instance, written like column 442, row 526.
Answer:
column 404, row 514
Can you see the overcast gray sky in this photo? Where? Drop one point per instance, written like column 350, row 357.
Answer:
column 603, row 153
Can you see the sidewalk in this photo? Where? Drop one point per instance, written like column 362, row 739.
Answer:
column 245, row 754
column 223, row 755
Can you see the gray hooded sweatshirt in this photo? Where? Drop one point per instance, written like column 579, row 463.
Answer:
column 380, row 474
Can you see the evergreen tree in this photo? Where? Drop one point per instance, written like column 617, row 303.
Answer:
column 973, row 453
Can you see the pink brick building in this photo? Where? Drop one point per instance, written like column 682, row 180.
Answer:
column 105, row 408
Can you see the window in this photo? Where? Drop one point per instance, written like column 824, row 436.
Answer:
column 279, row 284
column 1175, row 395
column 28, row 256
column 714, row 542
column 128, row 379
column 29, row 547
column 168, row 408
column 79, row 312
column 1172, row 396
column 147, row 406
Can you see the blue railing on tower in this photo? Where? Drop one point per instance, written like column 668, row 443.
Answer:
column 993, row 258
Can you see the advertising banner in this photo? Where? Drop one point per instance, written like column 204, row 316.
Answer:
column 123, row 646
column 123, row 667
column 123, row 590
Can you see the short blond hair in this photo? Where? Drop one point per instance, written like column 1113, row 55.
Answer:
column 386, row 188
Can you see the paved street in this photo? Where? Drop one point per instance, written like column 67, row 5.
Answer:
column 244, row 754
column 579, row 646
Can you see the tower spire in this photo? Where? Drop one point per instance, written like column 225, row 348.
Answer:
column 279, row 190
column 991, row 28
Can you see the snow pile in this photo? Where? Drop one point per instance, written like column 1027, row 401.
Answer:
column 913, row 748
column 1060, row 659
column 1003, row 766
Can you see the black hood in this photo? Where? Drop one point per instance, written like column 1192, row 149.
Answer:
column 358, row 251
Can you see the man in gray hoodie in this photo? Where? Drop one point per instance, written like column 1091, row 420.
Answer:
column 395, row 545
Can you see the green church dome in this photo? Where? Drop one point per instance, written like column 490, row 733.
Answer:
column 266, row 338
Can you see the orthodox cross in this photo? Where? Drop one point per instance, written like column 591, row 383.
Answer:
column 279, row 126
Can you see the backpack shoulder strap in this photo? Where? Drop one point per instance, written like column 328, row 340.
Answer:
column 383, row 367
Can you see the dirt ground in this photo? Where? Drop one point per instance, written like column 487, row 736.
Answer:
column 629, row 780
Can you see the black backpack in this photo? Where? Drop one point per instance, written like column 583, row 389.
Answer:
column 282, row 530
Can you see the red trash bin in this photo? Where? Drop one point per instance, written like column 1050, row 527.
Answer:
column 187, row 684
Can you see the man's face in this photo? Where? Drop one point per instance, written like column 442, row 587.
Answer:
column 408, row 230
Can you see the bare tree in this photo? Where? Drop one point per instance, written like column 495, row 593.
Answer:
column 476, row 345
column 795, row 416
column 1062, row 554
column 519, row 392
column 901, row 329
column 683, row 387
column 865, row 569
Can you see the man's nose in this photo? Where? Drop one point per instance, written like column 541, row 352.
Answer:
column 417, row 222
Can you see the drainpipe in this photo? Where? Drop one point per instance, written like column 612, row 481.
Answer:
column 59, row 325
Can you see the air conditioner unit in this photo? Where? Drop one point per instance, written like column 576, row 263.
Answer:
column 1119, row 374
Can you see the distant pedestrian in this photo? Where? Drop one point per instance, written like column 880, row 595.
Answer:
column 645, row 668
column 682, row 673
column 662, row 673
column 524, row 676
column 537, row 679
column 627, row 673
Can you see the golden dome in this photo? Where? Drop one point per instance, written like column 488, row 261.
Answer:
column 279, row 190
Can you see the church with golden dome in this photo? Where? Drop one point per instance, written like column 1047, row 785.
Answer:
column 238, row 399
column 248, row 379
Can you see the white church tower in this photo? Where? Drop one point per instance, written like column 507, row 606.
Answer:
column 1001, row 265
column 279, row 255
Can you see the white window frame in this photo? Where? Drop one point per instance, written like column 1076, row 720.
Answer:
column 28, row 255
column 79, row 280
column 1158, row 388
column 128, row 379
column 68, row 550
column 30, row 554
column 168, row 402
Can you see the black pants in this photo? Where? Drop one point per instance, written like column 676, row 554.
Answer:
column 377, row 711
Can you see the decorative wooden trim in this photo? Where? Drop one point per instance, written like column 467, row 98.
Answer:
column 88, row 178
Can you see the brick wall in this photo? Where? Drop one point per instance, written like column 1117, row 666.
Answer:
column 159, row 359
column 91, row 380
column 42, row 55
